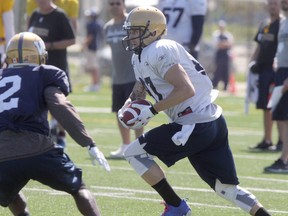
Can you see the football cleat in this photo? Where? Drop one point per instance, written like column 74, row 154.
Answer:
column 182, row 210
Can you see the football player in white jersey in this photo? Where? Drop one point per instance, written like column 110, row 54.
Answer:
column 185, row 20
column 197, row 130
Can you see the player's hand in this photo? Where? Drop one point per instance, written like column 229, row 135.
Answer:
column 146, row 113
column 97, row 155
column 254, row 67
column 120, row 112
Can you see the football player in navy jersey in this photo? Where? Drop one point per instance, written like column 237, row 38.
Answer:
column 28, row 89
column 197, row 129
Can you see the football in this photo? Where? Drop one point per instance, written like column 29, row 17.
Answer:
column 130, row 112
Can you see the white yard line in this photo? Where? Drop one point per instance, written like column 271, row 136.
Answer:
column 131, row 194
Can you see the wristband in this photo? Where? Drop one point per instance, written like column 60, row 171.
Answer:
column 152, row 109
column 91, row 145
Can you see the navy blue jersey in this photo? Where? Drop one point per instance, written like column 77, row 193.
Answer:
column 22, row 102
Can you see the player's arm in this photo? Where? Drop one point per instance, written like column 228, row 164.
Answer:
column 255, row 53
column 183, row 88
column 66, row 114
column 197, row 23
column 62, row 44
column 138, row 92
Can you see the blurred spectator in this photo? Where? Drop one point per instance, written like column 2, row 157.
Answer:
column 71, row 8
column 223, row 41
column 123, row 78
column 185, row 21
column 280, row 112
column 6, row 26
column 52, row 25
column 94, row 37
column 262, row 65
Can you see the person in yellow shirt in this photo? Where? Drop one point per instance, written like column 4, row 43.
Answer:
column 71, row 8
column 6, row 26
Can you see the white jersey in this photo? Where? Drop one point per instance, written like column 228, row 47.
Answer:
column 156, row 60
column 178, row 15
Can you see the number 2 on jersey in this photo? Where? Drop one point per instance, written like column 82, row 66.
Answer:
column 6, row 104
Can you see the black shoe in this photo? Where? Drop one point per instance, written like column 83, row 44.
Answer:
column 262, row 146
column 277, row 167
column 276, row 148
column 279, row 145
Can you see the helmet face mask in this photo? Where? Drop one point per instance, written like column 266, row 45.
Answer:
column 25, row 48
column 150, row 23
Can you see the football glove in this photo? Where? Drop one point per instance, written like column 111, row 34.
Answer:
column 120, row 112
column 97, row 155
column 146, row 113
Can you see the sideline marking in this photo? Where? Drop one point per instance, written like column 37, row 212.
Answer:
column 122, row 193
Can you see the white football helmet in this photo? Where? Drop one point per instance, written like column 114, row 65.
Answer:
column 151, row 23
column 25, row 48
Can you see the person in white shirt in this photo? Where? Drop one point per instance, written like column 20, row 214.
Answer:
column 197, row 130
column 185, row 21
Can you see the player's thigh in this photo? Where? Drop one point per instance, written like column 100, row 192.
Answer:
column 55, row 169
column 12, row 179
column 216, row 160
column 266, row 80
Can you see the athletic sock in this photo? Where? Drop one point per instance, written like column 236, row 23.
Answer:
column 167, row 193
column 262, row 212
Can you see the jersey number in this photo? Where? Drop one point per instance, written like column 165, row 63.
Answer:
column 148, row 82
column 5, row 102
column 178, row 11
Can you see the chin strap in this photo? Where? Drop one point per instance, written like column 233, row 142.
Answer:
column 139, row 54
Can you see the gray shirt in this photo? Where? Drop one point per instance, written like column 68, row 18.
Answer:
column 122, row 70
column 282, row 49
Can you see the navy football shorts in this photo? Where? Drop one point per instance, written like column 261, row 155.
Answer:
column 120, row 94
column 207, row 150
column 281, row 111
column 265, row 85
column 52, row 168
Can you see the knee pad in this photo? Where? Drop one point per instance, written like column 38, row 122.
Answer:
column 237, row 195
column 138, row 158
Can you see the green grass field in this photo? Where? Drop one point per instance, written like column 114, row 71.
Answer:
column 123, row 193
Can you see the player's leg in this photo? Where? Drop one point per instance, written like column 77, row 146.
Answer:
column 55, row 169
column 86, row 202
column 18, row 206
column 241, row 198
column 216, row 167
column 12, row 180
column 120, row 94
column 146, row 167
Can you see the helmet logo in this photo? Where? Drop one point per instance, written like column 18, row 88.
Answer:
column 14, row 60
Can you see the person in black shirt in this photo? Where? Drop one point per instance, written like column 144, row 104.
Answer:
column 53, row 26
column 262, row 64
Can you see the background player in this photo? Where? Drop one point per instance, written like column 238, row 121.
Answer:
column 185, row 21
